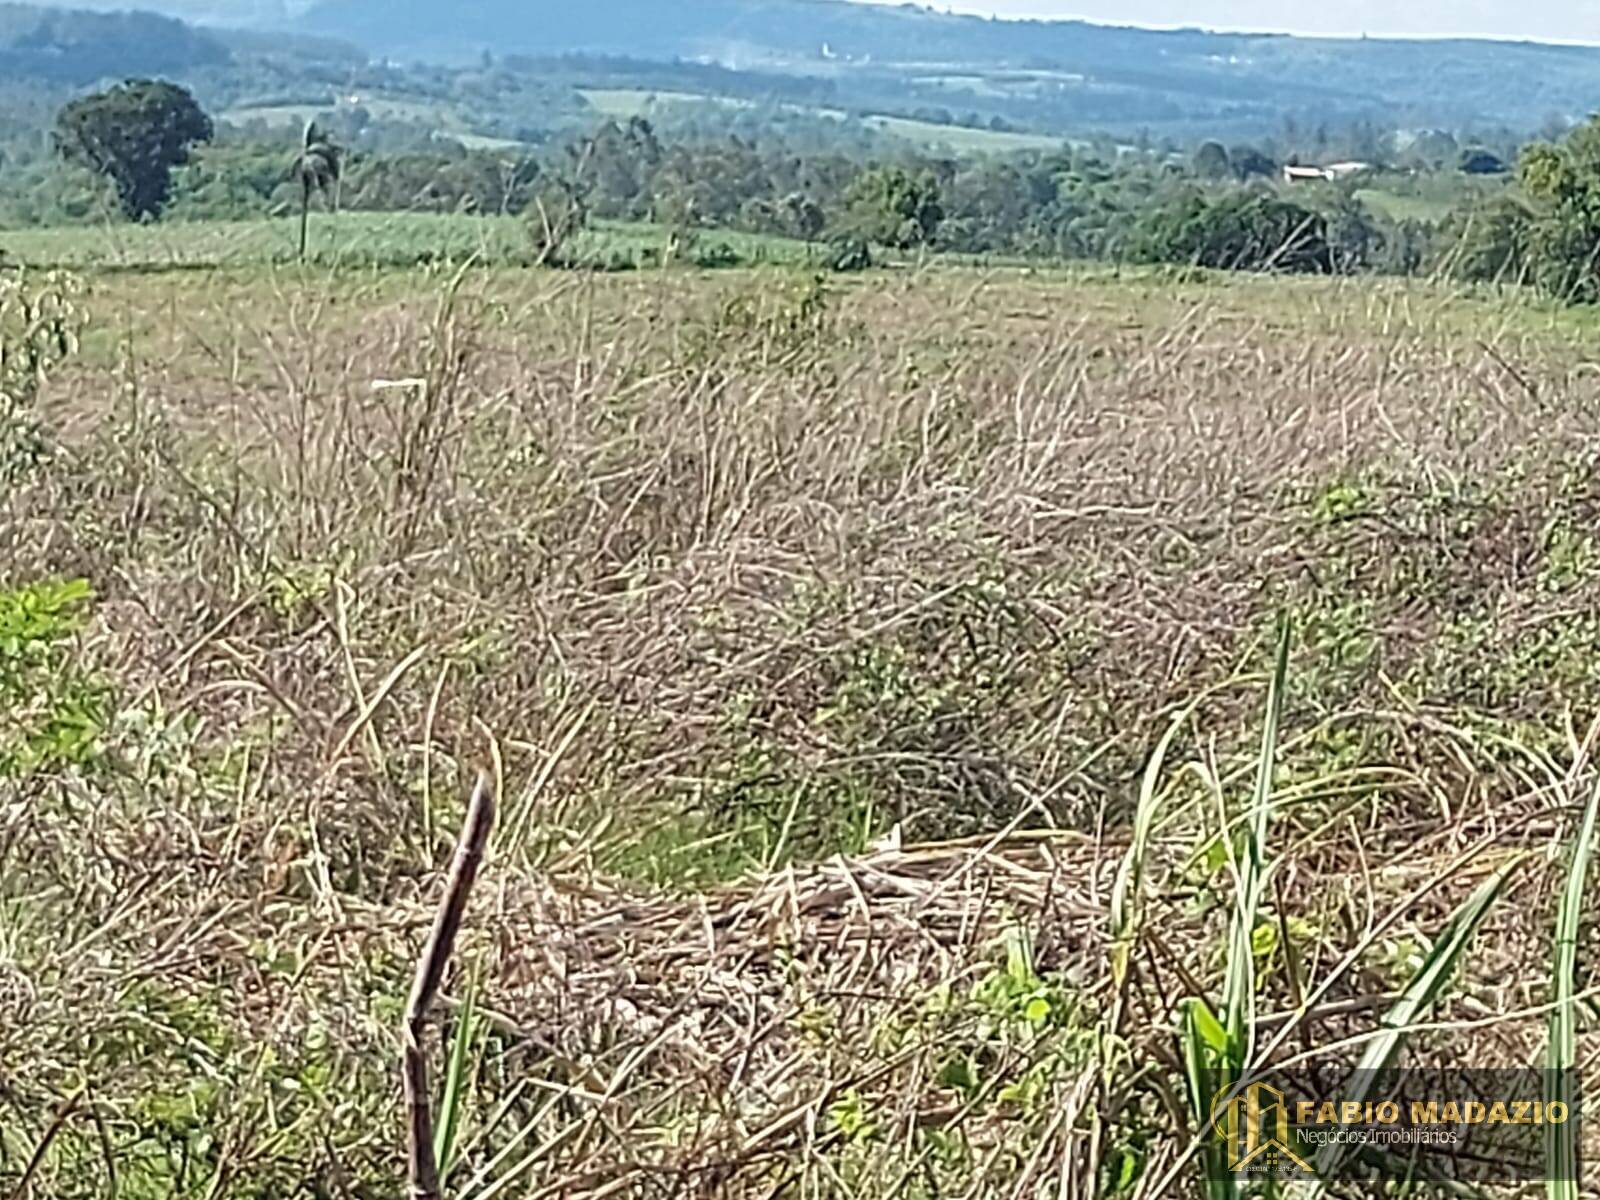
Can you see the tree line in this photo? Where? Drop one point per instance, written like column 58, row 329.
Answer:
column 151, row 145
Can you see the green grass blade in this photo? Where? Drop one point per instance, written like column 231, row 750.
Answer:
column 1418, row 996
column 1126, row 893
column 457, row 1084
column 1561, row 1141
column 1205, row 1074
column 1238, row 995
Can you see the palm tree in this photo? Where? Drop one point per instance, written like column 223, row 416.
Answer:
column 317, row 167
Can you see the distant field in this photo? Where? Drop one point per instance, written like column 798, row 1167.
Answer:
column 274, row 114
column 481, row 141
column 629, row 102
column 1406, row 208
column 623, row 103
column 449, row 125
column 294, row 114
column 959, row 138
column 357, row 239
column 1430, row 198
column 634, row 102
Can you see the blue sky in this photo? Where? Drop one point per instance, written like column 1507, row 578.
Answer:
column 1554, row 20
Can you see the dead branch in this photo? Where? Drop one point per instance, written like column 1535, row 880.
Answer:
column 63, row 1114
column 422, row 1167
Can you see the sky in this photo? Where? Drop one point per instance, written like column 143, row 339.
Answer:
column 1542, row 20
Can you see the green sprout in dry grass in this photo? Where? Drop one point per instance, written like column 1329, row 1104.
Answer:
column 1217, row 1050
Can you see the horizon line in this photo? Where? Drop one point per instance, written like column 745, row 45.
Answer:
column 1228, row 30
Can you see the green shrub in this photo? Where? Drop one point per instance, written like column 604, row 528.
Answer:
column 1242, row 230
column 894, row 207
column 53, row 713
column 716, row 254
column 38, row 328
column 1563, row 184
column 1488, row 242
column 848, row 254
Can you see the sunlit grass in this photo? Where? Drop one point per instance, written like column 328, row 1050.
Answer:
column 358, row 240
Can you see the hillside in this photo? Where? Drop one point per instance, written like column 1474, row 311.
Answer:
column 205, row 12
column 80, row 47
column 1059, row 69
column 1034, row 77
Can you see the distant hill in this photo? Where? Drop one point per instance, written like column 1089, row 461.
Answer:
column 1033, row 77
column 743, row 32
column 256, row 13
column 72, row 47
column 1455, row 82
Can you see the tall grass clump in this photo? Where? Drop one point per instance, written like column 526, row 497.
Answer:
column 1217, row 1049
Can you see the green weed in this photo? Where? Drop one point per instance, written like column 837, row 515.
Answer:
column 39, row 326
column 52, row 714
column 1217, row 1050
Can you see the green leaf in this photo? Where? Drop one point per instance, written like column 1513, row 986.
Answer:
column 1207, row 1026
column 1561, row 1144
column 958, row 1073
column 457, row 1085
column 1238, row 992
column 1204, row 1043
column 1126, row 894
column 1418, row 996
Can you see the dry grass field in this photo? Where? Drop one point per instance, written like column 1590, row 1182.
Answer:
column 899, row 794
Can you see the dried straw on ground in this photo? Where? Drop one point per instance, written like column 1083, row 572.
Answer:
column 811, row 1027
column 765, row 995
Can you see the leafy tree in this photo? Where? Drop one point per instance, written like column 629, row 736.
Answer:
column 994, row 207
column 317, row 167
column 226, row 181
column 760, row 215
column 804, row 217
column 1488, row 242
column 439, row 181
column 1563, row 239
column 1432, row 149
column 617, row 164
column 1249, row 162
column 895, row 208
column 134, row 134
column 1244, row 230
column 1211, row 161
column 1355, row 241
column 1405, row 247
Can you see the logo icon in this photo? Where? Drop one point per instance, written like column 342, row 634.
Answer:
column 1253, row 1122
